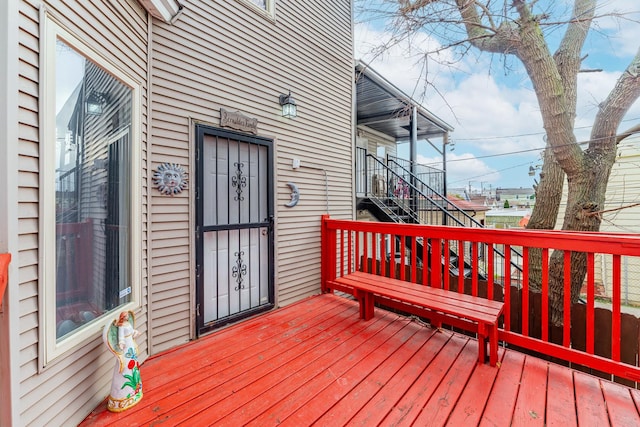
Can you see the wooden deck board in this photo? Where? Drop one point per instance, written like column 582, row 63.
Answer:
column 315, row 362
column 294, row 394
column 560, row 396
column 590, row 404
column 360, row 395
column 470, row 406
column 416, row 396
column 385, row 400
column 322, row 370
column 439, row 406
column 502, row 400
column 530, row 405
column 618, row 399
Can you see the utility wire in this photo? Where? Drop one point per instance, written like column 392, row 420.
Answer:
column 510, row 153
column 531, row 134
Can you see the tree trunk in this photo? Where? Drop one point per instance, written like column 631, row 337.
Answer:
column 554, row 79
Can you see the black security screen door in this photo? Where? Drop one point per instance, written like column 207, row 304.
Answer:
column 234, row 226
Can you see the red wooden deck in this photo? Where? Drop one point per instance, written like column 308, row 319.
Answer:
column 316, row 362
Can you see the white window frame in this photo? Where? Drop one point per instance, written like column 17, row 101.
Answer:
column 50, row 348
column 269, row 10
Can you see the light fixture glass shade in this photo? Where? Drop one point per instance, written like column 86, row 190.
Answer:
column 95, row 103
column 289, row 108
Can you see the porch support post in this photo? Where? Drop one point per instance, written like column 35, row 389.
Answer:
column 445, row 141
column 413, row 155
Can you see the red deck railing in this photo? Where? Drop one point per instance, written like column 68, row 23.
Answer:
column 4, row 273
column 601, row 339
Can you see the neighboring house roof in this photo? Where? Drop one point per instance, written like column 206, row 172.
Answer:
column 467, row 205
column 510, row 212
column 525, row 191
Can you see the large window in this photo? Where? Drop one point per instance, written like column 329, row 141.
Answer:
column 90, row 189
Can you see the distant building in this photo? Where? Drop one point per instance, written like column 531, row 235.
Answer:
column 516, row 197
column 473, row 208
column 507, row 218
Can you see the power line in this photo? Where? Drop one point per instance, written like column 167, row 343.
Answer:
column 530, row 134
column 490, row 173
column 510, row 153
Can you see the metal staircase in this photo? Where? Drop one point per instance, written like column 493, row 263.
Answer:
column 392, row 193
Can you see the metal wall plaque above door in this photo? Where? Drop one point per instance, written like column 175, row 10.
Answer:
column 238, row 121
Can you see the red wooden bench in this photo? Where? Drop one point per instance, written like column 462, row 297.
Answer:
column 466, row 312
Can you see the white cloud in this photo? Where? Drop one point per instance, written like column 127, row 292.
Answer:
column 621, row 26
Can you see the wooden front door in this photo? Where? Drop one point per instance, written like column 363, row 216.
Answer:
column 234, row 226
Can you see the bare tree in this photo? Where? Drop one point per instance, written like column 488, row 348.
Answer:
column 513, row 28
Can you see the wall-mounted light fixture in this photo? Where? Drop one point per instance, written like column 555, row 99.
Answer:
column 95, row 103
column 532, row 169
column 288, row 104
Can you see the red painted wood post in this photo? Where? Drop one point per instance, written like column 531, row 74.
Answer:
column 489, row 271
column 566, row 327
column 403, row 264
column 383, row 255
column 616, row 302
column 474, row 268
column 350, row 263
column 525, row 291
column 446, row 273
column 506, row 273
column 591, row 299
column 436, row 272
column 4, row 273
column 545, row 294
column 327, row 253
column 461, row 262
column 414, row 259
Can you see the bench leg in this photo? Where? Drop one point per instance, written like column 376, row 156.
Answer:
column 482, row 349
column 366, row 304
column 488, row 333
column 493, row 345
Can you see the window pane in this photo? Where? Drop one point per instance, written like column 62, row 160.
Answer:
column 92, row 190
column 260, row 3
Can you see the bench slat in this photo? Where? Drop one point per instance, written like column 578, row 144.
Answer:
column 473, row 313
column 426, row 301
column 368, row 277
column 449, row 302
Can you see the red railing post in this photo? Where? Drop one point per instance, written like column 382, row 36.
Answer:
column 328, row 241
column 4, row 273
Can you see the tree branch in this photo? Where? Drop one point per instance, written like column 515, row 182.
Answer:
column 567, row 57
column 550, row 90
column 613, row 109
column 503, row 40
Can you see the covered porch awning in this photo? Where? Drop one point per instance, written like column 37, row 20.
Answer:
column 383, row 107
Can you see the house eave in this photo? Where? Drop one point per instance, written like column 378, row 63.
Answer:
column 166, row 10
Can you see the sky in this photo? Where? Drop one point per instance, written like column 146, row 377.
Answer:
column 498, row 131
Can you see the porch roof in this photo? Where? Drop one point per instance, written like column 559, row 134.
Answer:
column 385, row 108
column 315, row 361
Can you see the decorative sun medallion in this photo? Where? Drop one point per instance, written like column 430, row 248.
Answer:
column 170, row 179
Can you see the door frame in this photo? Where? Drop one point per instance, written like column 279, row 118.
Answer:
column 201, row 132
